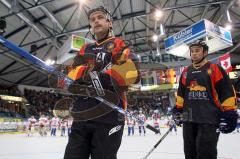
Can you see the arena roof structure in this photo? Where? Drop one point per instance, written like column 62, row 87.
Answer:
column 42, row 26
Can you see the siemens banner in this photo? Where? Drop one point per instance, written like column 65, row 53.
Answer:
column 156, row 61
column 163, row 58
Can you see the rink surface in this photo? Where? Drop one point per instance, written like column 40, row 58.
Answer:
column 133, row 147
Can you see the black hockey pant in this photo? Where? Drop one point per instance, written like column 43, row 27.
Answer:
column 200, row 141
column 100, row 141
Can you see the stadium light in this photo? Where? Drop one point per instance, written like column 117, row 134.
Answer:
column 82, row 1
column 228, row 26
column 155, row 38
column 50, row 62
column 158, row 14
column 229, row 17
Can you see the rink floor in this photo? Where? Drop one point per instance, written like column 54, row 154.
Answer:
column 133, row 147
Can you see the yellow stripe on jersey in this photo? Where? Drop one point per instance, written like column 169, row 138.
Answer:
column 125, row 74
column 76, row 73
column 229, row 104
column 179, row 103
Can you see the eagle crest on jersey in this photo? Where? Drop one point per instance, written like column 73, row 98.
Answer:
column 110, row 47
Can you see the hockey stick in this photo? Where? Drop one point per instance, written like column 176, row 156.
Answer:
column 42, row 65
column 100, row 92
column 159, row 141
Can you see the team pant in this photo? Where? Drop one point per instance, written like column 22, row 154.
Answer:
column 89, row 138
column 173, row 127
column 42, row 130
column 141, row 128
column 30, row 130
column 130, row 129
column 200, row 141
column 53, row 131
column 63, row 131
column 158, row 128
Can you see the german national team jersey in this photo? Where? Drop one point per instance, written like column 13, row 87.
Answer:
column 111, row 57
column 204, row 92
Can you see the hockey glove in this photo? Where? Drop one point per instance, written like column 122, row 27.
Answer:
column 177, row 115
column 228, row 121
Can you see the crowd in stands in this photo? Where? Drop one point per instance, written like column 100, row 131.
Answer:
column 43, row 102
column 148, row 102
column 4, row 112
column 10, row 91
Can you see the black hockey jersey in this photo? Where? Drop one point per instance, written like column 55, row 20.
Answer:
column 111, row 57
column 204, row 92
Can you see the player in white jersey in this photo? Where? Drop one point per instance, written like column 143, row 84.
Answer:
column 130, row 124
column 172, row 125
column 54, row 124
column 31, row 125
column 156, row 118
column 69, row 124
column 42, row 125
column 141, row 126
column 63, row 126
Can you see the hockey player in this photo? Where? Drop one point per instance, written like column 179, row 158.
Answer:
column 100, row 137
column 31, row 125
column 69, row 125
column 141, row 126
column 172, row 125
column 156, row 118
column 130, row 124
column 63, row 126
column 42, row 125
column 207, row 101
column 54, row 124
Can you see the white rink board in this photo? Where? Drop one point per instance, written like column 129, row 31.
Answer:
column 133, row 147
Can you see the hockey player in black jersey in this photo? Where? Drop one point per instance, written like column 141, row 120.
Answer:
column 206, row 99
column 99, row 137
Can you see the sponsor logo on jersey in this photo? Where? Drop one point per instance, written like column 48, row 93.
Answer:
column 197, row 91
column 199, row 71
column 98, row 48
column 194, row 86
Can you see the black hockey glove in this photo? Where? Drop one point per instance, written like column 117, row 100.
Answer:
column 228, row 121
column 177, row 115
